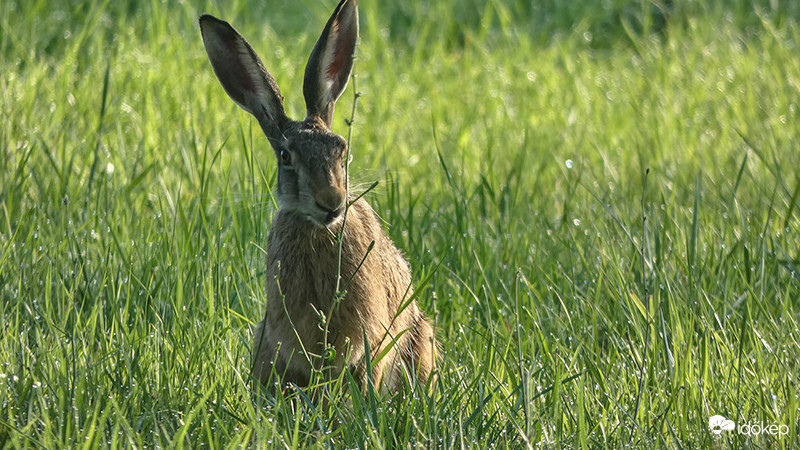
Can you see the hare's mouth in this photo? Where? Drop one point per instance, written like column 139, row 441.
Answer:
column 332, row 216
column 321, row 217
column 329, row 217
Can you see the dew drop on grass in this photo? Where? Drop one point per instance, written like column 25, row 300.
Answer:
column 568, row 163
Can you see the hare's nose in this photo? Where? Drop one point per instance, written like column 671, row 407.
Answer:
column 331, row 199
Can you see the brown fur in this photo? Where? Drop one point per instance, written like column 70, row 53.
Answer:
column 302, row 271
column 303, row 253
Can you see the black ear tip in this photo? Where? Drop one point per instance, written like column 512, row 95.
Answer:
column 347, row 12
column 211, row 20
column 209, row 23
column 350, row 5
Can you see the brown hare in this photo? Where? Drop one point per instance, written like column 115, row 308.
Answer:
column 304, row 259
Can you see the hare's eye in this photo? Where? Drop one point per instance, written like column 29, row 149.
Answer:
column 286, row 157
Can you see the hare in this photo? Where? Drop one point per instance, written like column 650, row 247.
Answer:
column 304, row 259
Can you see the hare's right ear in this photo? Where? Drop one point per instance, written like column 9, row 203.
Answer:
column 331, row 62
column 243, row 75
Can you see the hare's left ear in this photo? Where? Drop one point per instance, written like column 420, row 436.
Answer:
column 242, row 74
column 331, row 62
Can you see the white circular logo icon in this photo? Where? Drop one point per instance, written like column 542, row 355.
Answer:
column 719, row 423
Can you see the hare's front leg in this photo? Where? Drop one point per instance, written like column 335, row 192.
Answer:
column 423, row 351
column 263, row 353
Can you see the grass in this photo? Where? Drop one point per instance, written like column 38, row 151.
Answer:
column 511, row 142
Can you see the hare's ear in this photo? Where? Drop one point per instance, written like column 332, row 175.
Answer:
column 243, row 75
column 331, row 62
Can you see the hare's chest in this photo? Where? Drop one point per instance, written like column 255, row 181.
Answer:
column 301, row 271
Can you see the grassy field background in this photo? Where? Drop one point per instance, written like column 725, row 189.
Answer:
column 511, row 141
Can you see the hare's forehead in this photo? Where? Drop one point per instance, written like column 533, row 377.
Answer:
column 317, row 144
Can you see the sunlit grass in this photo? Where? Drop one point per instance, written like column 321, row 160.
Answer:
column 510, row 143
